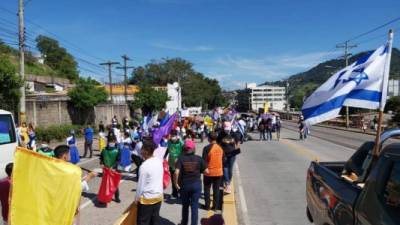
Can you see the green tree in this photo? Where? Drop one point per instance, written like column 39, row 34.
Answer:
column 393, row 104
column 149, row 100
column 10, row 83
column 57, row 57
column 86, row 94
column 298, row 95
column 196, row 88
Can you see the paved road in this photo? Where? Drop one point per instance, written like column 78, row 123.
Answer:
column 273, row 174
column 341, row 137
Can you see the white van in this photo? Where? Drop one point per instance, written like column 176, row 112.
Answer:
column 8, row 140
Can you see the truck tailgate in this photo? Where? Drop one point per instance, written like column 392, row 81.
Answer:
column 330, row 198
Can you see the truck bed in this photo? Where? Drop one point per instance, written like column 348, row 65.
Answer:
column 329, row 196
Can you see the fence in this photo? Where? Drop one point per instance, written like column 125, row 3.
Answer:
column 45, row 110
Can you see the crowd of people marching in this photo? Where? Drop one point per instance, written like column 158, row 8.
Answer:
column 163, row 150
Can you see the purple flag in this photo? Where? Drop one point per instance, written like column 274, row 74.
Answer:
column 159, row 133
column 164, row 119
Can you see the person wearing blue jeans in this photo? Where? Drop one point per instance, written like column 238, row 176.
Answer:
column 229, row 146
column 187, row 180
column 228, row 171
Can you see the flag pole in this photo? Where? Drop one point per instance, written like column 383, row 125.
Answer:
column 384, row 95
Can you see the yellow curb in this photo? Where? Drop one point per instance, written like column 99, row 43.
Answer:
column 229, row 208
column 230, row 198
column 229, row 214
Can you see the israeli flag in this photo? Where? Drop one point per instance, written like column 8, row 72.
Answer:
column 363, row 84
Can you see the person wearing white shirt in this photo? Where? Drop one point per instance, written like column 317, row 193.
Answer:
column 117, row 133
column 137, row 155
column 149, row 192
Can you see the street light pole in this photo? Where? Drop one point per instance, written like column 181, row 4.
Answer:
column 287, row 99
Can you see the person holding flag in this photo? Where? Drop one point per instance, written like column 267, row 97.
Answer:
column 109, row 158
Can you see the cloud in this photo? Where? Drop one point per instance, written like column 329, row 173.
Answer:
column 227, row 81
column 179, row 48
column 270, row 68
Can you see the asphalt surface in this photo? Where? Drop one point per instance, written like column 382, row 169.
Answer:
column 273, row 174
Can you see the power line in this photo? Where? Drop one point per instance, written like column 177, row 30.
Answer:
column 8, row 11
column 374, row 29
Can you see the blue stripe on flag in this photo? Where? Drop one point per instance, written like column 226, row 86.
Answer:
column 360, row 94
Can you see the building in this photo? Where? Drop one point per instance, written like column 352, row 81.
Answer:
column 393, row 88
column 46, row 84
column 118, row 92
column 175, row 98
column 230, row 97
column 274, row 96
column 174, row 93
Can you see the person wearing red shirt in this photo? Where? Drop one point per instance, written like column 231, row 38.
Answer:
column 5, row 185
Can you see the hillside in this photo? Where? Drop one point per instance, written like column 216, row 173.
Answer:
column 31, row 64
column 303, row 84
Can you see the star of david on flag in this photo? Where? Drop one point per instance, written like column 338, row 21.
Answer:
column 362, row 84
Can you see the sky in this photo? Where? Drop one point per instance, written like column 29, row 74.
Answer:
column 235, row 42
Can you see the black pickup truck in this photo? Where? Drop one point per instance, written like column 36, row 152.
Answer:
column 365, row 190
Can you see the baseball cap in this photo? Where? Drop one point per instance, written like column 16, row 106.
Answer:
column 189, row 145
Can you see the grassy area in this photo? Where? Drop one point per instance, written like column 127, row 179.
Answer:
column 31, row 64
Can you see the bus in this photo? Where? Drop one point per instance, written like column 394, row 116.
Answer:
column 8, row 140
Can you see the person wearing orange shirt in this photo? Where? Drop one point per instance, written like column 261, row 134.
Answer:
column 213, row 156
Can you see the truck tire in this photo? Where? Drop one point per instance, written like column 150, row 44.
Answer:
column 309, row 217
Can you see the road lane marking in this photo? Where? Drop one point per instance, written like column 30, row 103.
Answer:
column 303, row 151
column 242, row 197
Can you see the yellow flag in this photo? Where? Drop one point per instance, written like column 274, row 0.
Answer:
column 45, row 191
column 266, row 107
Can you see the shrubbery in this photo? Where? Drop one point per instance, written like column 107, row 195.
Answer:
column 57, row 132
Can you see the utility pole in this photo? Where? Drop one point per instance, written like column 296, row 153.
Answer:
column 125, row 68
column 287, row 99
column 346, row 56
column 22, row 115
column 110, row 64
column 179, row 93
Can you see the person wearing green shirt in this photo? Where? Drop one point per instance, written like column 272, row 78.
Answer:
column 174, row 150
column 109, row 158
